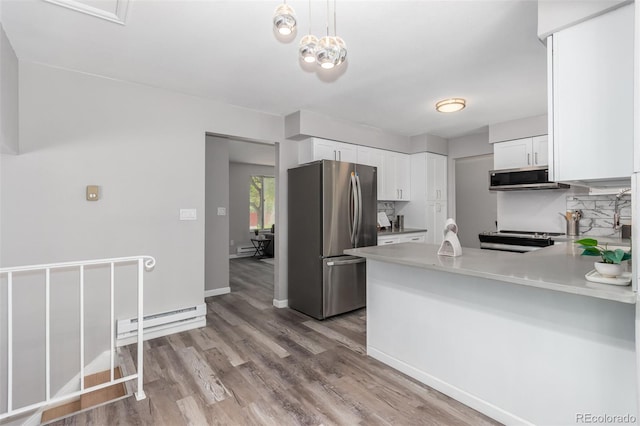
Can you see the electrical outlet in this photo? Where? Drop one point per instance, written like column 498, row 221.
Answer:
column 222, row 211
column 232, row 243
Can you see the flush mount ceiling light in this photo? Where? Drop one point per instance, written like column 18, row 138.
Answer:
column 451, row 105
column 284, row 19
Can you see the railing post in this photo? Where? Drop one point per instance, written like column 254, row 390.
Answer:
column 140, row 393
column 112, row 321
column 81, row 327
column 10, row 342
column 48, row 333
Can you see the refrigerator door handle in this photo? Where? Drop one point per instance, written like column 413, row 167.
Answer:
column 346, row 262
column 353, row 209
column 359, row 227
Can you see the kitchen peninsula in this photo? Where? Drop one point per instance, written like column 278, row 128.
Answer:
column 523, row 338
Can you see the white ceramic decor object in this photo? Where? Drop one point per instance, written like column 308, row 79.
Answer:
column 451, row 244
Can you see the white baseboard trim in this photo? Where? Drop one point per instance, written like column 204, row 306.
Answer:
column 237, row 256
column 281, row 303
column 101, row 363
column 217, row 291
column 454, row 392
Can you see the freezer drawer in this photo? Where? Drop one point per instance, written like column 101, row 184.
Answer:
column 344, row 284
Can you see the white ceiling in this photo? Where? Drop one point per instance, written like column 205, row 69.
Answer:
column 403, row 56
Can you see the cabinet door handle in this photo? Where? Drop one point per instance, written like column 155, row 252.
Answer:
column 415, row 239
column 401, row 194
column 535, row 157
column 335, row 156
column 438, row 208
column 528, row 159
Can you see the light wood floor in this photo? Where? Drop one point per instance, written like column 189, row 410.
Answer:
column 254, row 364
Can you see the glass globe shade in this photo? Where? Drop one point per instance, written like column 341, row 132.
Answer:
column 343, row 50
column 284, row 19
column 328, row 52
column 307, row 48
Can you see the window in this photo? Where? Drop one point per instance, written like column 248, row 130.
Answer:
column 262, row 197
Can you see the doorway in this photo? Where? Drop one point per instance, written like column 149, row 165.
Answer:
column 476, row 206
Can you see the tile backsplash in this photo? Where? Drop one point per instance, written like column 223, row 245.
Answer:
column 389, row 207
column 597, row 213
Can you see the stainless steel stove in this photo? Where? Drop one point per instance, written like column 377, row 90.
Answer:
column 517, row 241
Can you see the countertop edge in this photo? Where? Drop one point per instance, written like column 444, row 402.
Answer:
column 629, row 298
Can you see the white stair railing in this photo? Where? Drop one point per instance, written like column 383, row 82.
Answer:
column 143, row 262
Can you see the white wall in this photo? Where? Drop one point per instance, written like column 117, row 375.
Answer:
column 239, row 177
column 517, row 129
column 305, row 124
column 8, row 96
column 464, row 146
column 428, row 143
column 216, row 227
column 534, row 210
column 145, row 147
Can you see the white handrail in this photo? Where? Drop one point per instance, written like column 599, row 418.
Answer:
column 143, row 262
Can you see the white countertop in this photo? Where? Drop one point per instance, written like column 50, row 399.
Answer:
column 559, row 267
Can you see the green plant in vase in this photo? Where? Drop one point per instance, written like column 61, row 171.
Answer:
column 611, row 260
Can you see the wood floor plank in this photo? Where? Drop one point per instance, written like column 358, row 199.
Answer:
column 211, row 388
column 191, row 412
column 254, row 364
column 340, row 338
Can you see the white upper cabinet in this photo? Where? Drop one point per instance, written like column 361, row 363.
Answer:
column 396, row 177
column 313, row 149
column 591, row 99
column 525, row 152
column 436, row 178
column 373, row 157
column 428, row 206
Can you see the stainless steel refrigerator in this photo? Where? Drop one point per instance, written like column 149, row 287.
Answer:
column 332, row 206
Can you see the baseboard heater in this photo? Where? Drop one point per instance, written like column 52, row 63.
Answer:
column 161, row 324
column 245, row 251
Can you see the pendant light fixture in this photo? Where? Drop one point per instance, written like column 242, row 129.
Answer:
column 308, row 44
column 284, row 19
column 331, row 51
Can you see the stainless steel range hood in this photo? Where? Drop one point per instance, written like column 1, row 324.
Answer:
column 523, row 179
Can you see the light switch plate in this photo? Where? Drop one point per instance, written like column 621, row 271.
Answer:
column 222, row 211
column 92, row 193
column 188, row 214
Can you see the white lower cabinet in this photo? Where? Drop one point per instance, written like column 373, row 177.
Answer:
column 391, row 239
column 409, row 237
column 417, row 237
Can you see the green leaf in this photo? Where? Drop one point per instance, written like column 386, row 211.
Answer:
column 626, row 256
column 590, row 251
column 588, row 242
column 611, row 256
